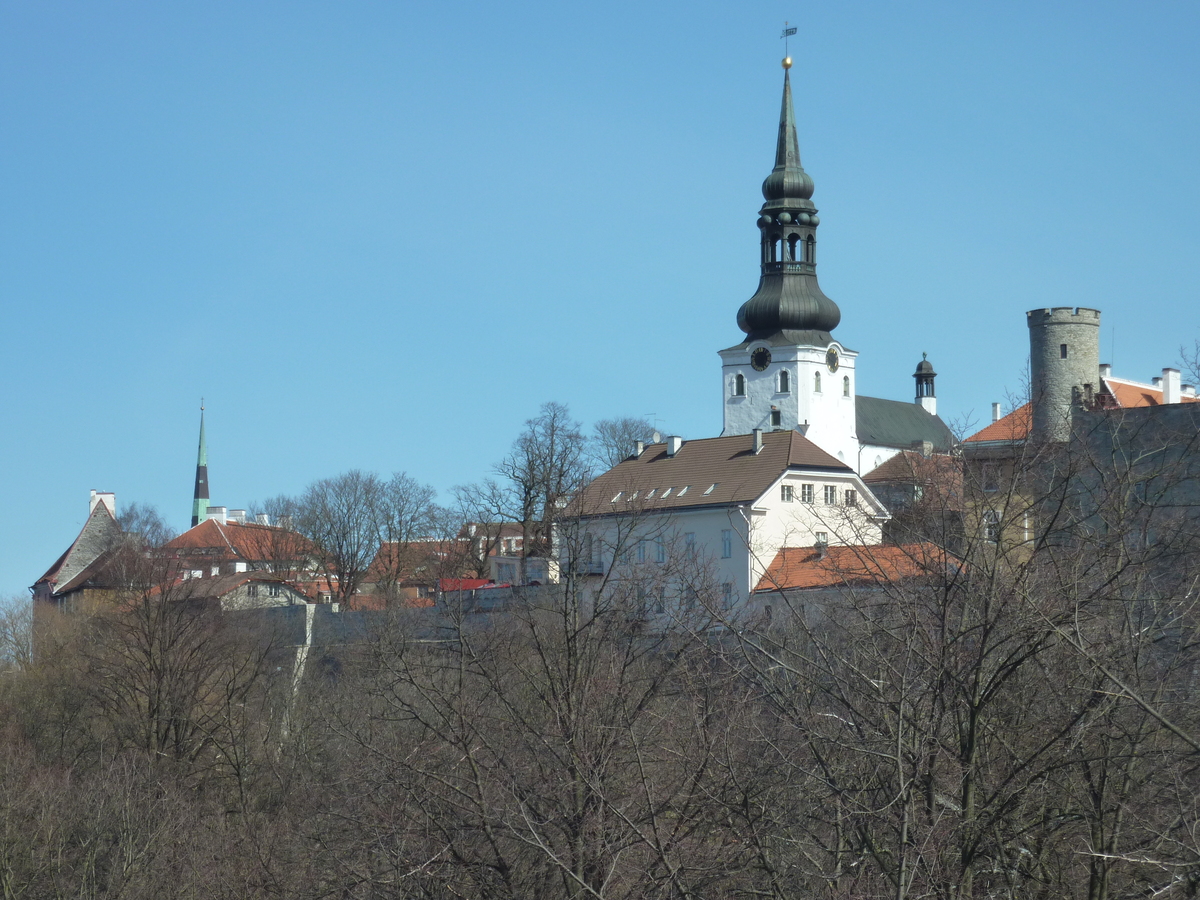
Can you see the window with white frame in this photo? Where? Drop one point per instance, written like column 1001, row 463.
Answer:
column 726, row 543
column 806, row 493
column 660, row 550
column 850, row 498
column 991, row 525
column 785, row 493
column 727, row 595
column 689, row 544
column 822, row 538
column 641, row 551
column 830, row 495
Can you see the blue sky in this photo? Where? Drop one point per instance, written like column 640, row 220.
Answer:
column 380, row 235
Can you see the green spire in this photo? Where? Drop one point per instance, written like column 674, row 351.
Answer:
column 787, row 180
column 200, row 497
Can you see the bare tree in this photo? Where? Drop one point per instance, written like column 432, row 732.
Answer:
column 613, row 439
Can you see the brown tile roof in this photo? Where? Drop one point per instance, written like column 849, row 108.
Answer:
column 1013, row 427
column 706, row 472
column 804, row 567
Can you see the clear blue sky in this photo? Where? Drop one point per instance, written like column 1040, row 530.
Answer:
column 379, row 235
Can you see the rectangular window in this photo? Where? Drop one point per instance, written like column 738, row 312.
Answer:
column 641, row 551
column 727, row 595
column 690, row 597
column 991, row 525
column 822, row 537
column 785, row 493
column 689, row 544
column 660, row 551
column 851, row 498
column 806, row 493
column 1062, row 351
column 830, row 495
column 252, row 590
column 726, row 543
column 776, row 418
column 273, row 590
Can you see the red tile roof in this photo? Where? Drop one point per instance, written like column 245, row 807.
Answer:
column 1130, row 394
column 248, row 542
column 1013, row 427
column 804, row 567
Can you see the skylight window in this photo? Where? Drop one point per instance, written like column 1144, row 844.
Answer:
column 616, row 498
column 631, row 497
column 711, row 488
column 683, row 490
column 666, row 493
column 650, row 493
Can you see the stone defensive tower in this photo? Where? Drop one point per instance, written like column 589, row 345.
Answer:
column 1064, row 366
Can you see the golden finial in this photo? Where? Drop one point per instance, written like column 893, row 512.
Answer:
column 787, row 62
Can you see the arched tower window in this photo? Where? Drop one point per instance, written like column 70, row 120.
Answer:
column 784, row 382
column 739, row 385
column 774, row 249
column 793, row 240
column 810, row 249
column 817, row 382
column 845, row 385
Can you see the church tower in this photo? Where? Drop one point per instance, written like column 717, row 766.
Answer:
column 789, row 372
column 200, row 496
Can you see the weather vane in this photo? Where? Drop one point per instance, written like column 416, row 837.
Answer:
column 787, row 33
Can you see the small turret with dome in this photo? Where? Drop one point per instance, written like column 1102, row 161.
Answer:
column 789, row 306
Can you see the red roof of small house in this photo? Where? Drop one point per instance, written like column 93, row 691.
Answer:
column 1013, row 427
column 808, row 567
column 466, row 584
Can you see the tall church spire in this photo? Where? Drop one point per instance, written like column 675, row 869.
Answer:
column 789, row 306
column 200, row 499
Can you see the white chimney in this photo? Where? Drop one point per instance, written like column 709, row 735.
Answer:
column 1170, row 383
column 674, row 442
column 218, row 513
column 995, row 412
column 758, row 441
column 1157, row 382
column 108, row 498
column 638, row 447
column 1188, row 390
column 1105, row 370
column 237, row 515
column 262, row 519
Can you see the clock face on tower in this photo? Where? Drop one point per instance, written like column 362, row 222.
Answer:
column 831, row 359
column 760, row 359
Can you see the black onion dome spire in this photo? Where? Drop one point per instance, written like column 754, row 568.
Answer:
column 789, row 306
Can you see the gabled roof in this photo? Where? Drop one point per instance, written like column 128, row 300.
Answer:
column 893, row 423
column 797, row 568
column 249, row 542
column 1013, row 427
column 97, row 535
column 714, row 472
